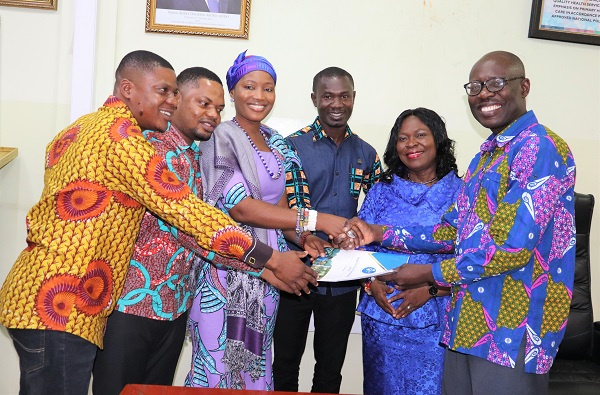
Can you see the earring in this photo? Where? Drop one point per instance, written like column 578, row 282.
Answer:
column 231, row 98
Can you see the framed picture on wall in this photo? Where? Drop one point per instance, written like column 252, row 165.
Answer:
column 223, row 18
column 566, row 20
column 49, row 4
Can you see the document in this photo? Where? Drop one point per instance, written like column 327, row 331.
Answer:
column 344, row 265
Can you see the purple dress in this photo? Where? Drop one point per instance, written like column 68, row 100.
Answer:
column 403, row 356
column 208, row 325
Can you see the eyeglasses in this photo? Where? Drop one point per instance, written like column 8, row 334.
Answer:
column 495, row 84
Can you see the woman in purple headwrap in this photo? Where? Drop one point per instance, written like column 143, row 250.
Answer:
column 244, row 168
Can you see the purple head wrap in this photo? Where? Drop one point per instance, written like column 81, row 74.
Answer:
column 246, row 64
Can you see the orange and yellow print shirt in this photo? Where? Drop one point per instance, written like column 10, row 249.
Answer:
column 100, row 176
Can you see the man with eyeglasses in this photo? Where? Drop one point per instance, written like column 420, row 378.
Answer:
column 512, row 229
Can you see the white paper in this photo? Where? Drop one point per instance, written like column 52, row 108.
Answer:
column 344, row 265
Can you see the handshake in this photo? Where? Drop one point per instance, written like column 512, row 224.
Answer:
column 356, row 233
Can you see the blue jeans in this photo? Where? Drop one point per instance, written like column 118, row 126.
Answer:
column 53, row 362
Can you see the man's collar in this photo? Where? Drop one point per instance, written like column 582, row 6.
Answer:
column 115, row 104
column 174, row 135
column 319, row 132
column 499, row 140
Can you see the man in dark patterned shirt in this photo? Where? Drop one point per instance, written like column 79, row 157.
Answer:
column 336, row 166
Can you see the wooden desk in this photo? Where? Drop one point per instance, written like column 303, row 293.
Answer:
column 143, row 389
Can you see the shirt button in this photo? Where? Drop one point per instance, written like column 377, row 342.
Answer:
column 337, row 173
column 335, row 194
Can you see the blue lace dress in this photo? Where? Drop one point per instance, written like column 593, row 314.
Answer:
column 403, row 356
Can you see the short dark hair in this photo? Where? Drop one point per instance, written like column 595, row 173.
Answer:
column 193, row 74
column 445, row 159
column 328, row 73
column 140, row 60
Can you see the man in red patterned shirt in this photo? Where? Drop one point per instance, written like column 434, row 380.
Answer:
column 145, row 333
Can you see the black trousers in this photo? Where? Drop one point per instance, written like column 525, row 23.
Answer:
column 333, row 318
column 137, row 350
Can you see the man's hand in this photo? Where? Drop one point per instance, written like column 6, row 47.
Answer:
column 315, row 246
column 289, row 269
column 357, row 232
column 269, row 277
column 410, row 275
column 345, row 242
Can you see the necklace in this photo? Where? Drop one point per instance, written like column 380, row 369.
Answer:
column 419, row 182
column 262, row 159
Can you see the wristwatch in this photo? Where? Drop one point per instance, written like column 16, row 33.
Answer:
column 433, row 290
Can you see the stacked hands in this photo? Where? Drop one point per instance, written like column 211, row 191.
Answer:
column 356, row 233
column 413, row 281
column 287, row 272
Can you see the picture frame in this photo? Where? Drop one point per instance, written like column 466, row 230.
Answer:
column 565, row 20
column 46, row 4
column 231, row 19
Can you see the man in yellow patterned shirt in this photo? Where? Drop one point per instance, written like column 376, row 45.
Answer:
column 100, row 177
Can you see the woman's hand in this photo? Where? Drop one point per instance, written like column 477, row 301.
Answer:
column 414, row 298
column 379, row 292
column 330, row 224
column 315, row 246
column 357, row 232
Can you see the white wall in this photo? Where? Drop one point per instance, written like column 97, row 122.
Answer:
column 35, row 58
column 401, row 53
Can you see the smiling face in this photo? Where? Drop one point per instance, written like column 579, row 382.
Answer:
column 254, row 97
column 199, row 111
column 334, row 99
column 497, row 110
column 416, row 147
column 151, row 96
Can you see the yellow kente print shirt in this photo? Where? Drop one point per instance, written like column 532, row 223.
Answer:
column 100, row 176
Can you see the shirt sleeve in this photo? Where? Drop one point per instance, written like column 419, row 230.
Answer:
column 138, row 171
column 513, row 219
column 374, row 175
column 190, row 243
column 431, row 239
column 296, row 184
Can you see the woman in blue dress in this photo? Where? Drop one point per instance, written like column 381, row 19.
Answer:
column 402, row 328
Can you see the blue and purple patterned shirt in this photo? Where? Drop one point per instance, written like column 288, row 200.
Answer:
column 513, row 231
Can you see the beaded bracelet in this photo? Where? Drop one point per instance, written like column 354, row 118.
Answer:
column 299, row 229
column 303, row 238
column 304, row 221
column 367, row 285
column 367, row 288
